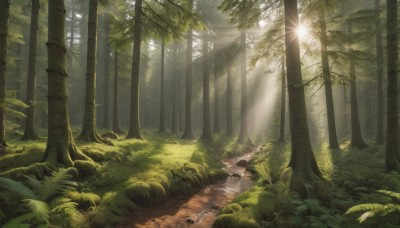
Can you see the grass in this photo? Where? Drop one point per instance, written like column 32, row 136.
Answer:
column 131, row 174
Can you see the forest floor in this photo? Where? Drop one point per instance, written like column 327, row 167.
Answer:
column 142, row 174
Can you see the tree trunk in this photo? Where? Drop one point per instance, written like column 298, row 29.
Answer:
column 161, row 127
column 89, row 132
column 229, row 116
column 106, row 63
column 115, row 125
column 330, row 110
column 207, row 132
column 392, row 158
column 61, row 147
column 379, row 75
column 134, row 124
column 303, row 163
column 175, row 94
column 217, row 127
column 188, row 133
column 4, row 17
column 283, row 103
column 30, row 130
column 356, row 137
column 243, row 134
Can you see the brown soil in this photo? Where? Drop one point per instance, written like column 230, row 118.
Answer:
column 199, row 210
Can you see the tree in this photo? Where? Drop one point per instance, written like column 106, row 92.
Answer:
column 30, row 130
column 134, row 125
column 188, row 132
column 229, row 99
column 4, row 17
column 392, row 157
column 243, row 137
column 217, row 127
column 207, row 132
column 161, row 127
column 302, row 161
column 283, row 103
column 89, row 132
column 356, row 137
column 175, row 93
column 330, row 110
column 106, row 64
column 379, row 74
column 61, row 147
column 115, row 124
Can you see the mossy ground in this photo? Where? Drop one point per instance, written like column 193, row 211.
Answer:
column 132, row 173
column 354, row 176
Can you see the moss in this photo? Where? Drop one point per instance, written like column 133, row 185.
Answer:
column 236, row 220
column 38, row 170
column 85, row 200
column 137, row 191
column 231, row 208
column 85, row 168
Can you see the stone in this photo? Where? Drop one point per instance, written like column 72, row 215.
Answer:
column 190, row 221
column 242, row 163
column 236, row 175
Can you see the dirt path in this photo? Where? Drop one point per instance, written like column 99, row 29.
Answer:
column 199, row 210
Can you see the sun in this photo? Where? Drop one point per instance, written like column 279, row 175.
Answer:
column 301, row 31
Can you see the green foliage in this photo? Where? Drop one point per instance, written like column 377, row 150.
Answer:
column 234, row 221
column 231, row 208
column 311, row 213
column 85, row 200
column 38, row 170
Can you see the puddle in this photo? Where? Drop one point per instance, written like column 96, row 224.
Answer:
column 198, row 210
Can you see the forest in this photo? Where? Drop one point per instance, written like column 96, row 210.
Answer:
column 199, row 113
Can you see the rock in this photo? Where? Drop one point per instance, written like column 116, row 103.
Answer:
column 190, row 221
column 242, row 163
column 236, row 175
column 110, row 135
column 216, row 207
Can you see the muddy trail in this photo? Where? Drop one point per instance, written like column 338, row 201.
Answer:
column 200, row 209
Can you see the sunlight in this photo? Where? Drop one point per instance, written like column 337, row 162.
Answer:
column 301, row 31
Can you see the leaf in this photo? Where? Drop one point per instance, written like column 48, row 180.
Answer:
column 366, row 215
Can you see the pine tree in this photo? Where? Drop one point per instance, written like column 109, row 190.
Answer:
column 4, row 17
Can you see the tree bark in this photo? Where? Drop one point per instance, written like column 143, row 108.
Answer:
column 229, row 116
column 61, row 147
column 4, row 18
column 115, row 124
column 303, row 163
column 392, row 157
column 30, row 129
column 283, row 103
column 188, row 133
column 175, row 94
column 134, row 124
column 161, row 127
column 243, row 134
column 89, row 132
column 207, row 132
column 379, row 75
column 106, row 63
column 217, row 127
column 330, row 110
column 356, row 136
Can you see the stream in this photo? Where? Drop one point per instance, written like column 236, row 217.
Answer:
column 200, row 209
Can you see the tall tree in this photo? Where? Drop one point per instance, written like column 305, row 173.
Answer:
column 188, row 132
column 207, row 132
column 161, row 127
column 330, row 110
column 392, row 156
column 175, row 93
column 89, row 132
column 379, row 74
column 4, row 17
column 302, row 161
column 61, row 147
column 115, row 123
column 243, row 137
column 283, row 103
column 356, row 137
column 30, row 129
column 229, row 99
column 106, row 64
column 134, row 124
column 217, row 127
